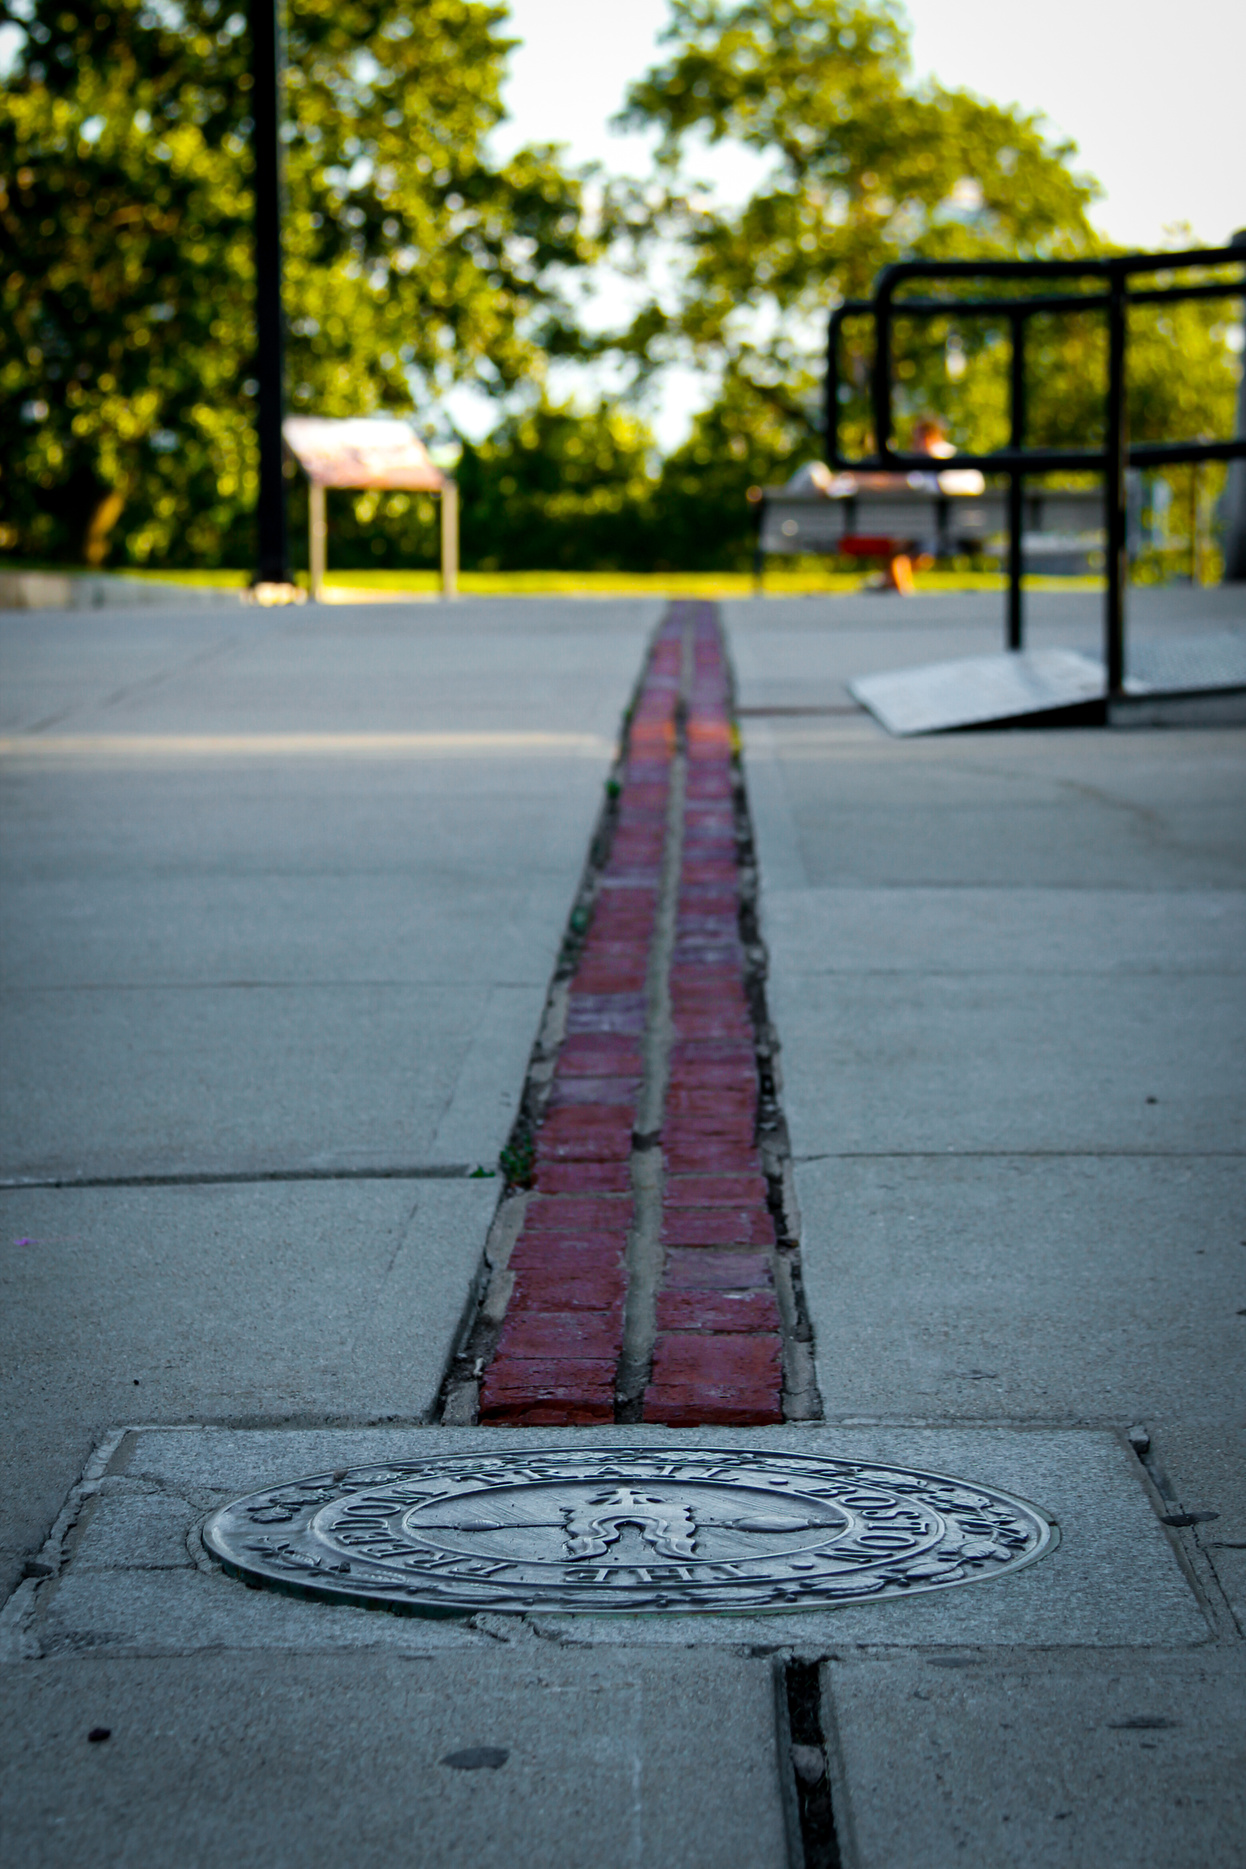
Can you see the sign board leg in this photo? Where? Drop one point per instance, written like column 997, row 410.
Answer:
column 317, row 540
column 450, row 539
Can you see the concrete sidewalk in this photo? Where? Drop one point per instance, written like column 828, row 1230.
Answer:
column 1007, row 971
column 284, row 895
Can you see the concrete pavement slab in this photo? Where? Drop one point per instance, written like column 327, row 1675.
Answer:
column 1063, row 808
column 224, row 930
column 394, row 665
column 477, row 1116
column 284, row 930
column 1113, row 1581
column 770, row 805
column 1017, row 1288
column 1203, row 1471
column 492, row 1758
column 345, row 803
column 238, row 1080
column 57, row 662
column 1158, row 932
column 1132, row 1068
column 801, row 651
column 1058, row 1759
column 162, row 1610
column 272, row 1301
column 494, row 663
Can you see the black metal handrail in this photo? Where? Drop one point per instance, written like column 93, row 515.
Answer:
column 1017, row 460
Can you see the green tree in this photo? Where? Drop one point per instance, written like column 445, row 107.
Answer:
column 703, row 518
column 863, row 170
column 556, row 488
column 413, row 259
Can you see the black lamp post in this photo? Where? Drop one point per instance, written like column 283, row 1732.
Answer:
column 273, row 564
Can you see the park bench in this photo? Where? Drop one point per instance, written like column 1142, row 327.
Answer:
column 887, row 518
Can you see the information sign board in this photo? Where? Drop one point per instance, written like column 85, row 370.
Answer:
column 361, row 451
column 368, row 452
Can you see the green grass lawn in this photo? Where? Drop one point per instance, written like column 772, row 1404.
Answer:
column 781, row 581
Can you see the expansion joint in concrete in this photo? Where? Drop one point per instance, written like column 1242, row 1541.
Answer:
column 805, row 1779
column 255, row 1177
column 1185, row 1530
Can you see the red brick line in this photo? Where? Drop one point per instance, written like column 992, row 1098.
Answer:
column 558, row 1353
column 717, row 1352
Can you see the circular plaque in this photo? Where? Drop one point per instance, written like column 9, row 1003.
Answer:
column 648, row 1529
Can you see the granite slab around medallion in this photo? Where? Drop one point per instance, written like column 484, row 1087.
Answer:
column 138, row 1580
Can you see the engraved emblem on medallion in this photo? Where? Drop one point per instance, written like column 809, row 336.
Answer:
column 635, row 1529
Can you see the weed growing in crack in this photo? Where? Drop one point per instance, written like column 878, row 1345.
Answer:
column 518, row 1161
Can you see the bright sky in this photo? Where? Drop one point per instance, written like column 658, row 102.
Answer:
column 1151, row 92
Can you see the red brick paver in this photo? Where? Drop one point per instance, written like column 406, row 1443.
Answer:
column 718, row 1348
column 718, row 1352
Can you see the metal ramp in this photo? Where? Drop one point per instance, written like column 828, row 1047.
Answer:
column 1176, row 680
column 982, row 690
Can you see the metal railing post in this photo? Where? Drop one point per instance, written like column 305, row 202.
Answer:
column 1016, row 484
column 830, row 392
column 882, row 372
column 1114, row 490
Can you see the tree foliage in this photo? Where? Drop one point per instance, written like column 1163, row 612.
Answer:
column 863, row 169
column 559, row 488
column 415, row 260
column 412, row 259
